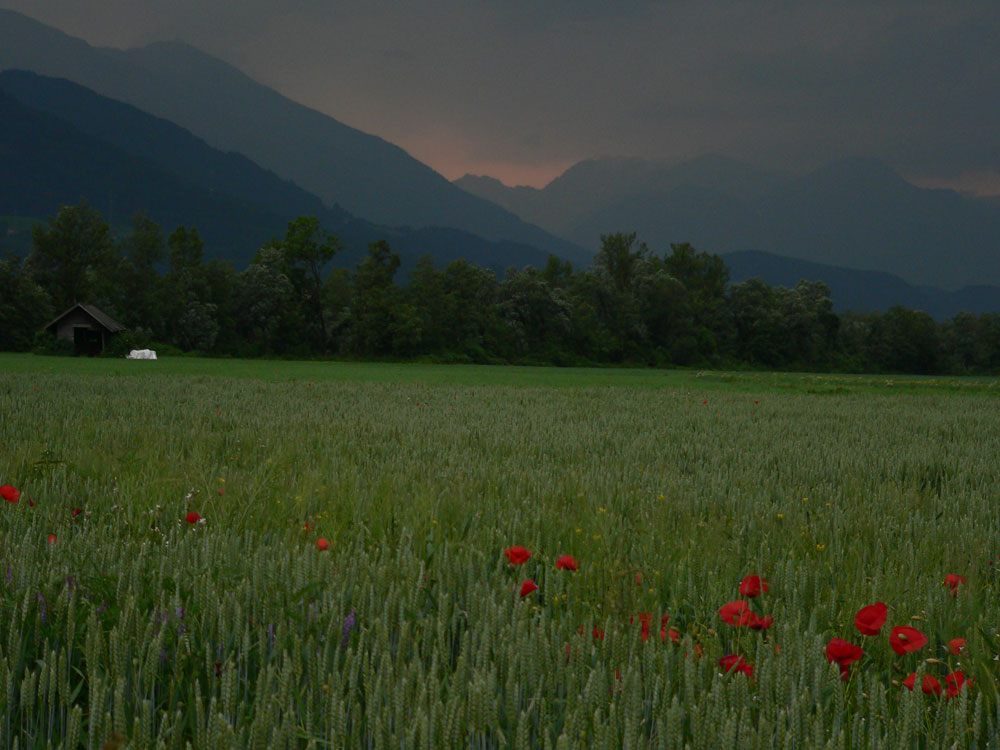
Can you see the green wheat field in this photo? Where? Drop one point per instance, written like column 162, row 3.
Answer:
column 162, row 582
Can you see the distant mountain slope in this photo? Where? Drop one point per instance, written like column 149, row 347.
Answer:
column 862, row 291
column 365, row 174
column 48, row 163
column 73, row 144
column 852, row 212
column 159, row 141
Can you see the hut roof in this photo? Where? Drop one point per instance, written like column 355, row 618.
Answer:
column 100, row 317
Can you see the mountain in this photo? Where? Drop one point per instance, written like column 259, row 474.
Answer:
column 862, row 291
column 60, row 142
column 366, row 175
column 853, row 212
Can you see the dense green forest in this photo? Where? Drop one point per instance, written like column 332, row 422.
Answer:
column 632, row 306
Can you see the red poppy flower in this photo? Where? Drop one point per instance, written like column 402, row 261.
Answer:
column 567, row 562
column 597, row 633
column 645, row 620
column 869, row 620
column 760, row 623
column 638, row 579
column 955, row 645
column 673, row 635
column 221, row 491
column 844, row 653
column 905, row 640
column 955, row 682
column 31, row 502
column 735, row 613
column 51, row 539
column 953, row 581
column 518, row 555
column 322, row 544
column 664, row 619
column 752, row 586
column 735, row 663
column 192, row 517
column 8, row 493
column 76, row 512
column 527, row 587
column 931, row 685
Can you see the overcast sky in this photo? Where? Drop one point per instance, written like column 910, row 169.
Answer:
column 521, row 90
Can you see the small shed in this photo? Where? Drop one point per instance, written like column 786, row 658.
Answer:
column 89, row 328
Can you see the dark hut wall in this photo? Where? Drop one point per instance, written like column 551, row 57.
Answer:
column 78, row 319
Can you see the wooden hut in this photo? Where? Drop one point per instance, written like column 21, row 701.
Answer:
column 88, row 328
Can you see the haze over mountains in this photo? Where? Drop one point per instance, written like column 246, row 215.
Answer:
column 62, row 142
column 852, row 212
column 362, row 173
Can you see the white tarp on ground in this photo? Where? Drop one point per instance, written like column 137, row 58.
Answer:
column 141, row 354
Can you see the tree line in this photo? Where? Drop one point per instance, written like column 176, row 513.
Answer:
column 632, row 306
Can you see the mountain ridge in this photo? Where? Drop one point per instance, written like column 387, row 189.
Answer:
column 63, row 142
column 859, row 290
column 365, row 174
column 852, row 211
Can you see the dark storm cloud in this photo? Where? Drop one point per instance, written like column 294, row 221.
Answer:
column 519, row 87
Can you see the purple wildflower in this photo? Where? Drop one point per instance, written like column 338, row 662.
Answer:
column 349, row 622
column 41, row 607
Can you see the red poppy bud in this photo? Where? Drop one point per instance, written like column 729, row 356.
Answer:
column 869, row 620
column 527, row 587
column 955, row 645
column 8, row 493
column 76, row 512
column 517, row 555
column 322, row 544
column 567, row 562
column 905, row 639
column 192, row 517
column 752, row 586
